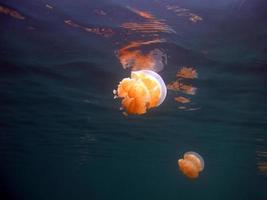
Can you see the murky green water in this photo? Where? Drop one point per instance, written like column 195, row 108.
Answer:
column 62, row 135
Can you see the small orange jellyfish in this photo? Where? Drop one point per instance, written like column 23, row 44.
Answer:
column 191, row 164
column 144, row 90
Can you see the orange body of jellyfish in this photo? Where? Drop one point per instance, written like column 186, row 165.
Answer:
column 191, row 164
column 144, row 90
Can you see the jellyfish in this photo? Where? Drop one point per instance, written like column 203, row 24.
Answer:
column 191, row 164
column 144, row 90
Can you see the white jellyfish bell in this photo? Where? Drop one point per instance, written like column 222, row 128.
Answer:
column 199, row 158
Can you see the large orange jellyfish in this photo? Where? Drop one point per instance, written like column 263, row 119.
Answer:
column 191, row 164
column 144, row 90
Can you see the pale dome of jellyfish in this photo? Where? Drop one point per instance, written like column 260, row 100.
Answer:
column 144, row 90
column 191, row 164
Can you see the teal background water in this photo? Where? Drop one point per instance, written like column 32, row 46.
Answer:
column 62, row 135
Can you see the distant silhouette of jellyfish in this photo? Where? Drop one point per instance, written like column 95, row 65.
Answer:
column 144, row 90
column 191, row 164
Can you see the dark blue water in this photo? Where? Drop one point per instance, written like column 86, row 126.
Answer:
column 62, row 135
